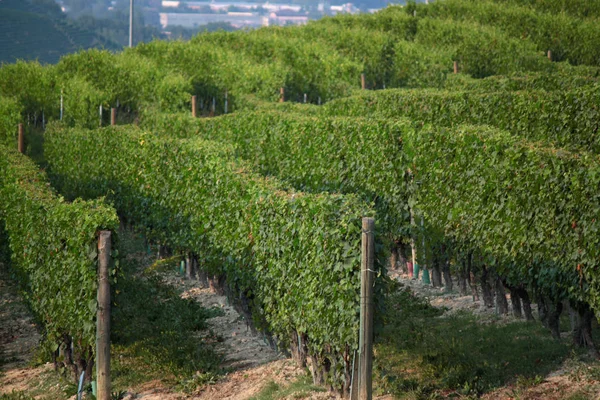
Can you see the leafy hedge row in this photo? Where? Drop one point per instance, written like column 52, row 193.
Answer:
column 295, row 255
column 568, row 119
column 92, row 78
column 53, row 251
column 564, row 78
column 33, row 86
column 10, row 116
column 313, row 154
column 480, row 50
column 394, row 48
column 569, row 38
column 576, row 8
column 532, row 205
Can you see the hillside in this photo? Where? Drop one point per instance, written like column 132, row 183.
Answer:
column 38, row 31
column 455, row 142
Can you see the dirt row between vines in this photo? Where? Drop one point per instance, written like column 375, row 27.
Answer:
column 255, row 363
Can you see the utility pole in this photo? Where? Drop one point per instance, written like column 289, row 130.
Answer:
column 130, row 23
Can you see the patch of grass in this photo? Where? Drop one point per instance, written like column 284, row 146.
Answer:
column 16, row 396
column 585, row 370
column 299, row 389
column 524, row 382
column 48, row 385
column 156, row 335
column 580, row 395
column 420, row 354
column 268, row 392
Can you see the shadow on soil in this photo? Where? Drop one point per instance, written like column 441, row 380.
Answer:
column 422, row 354
column 155, row 333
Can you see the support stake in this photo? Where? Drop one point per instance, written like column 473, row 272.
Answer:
column 365, row 346
column 103, row 318
column 21, row 143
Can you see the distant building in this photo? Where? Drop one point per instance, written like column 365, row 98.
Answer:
column 246, row 14
column 224, row 5
column 347, row 8
column 287, row 18
column 193, row 20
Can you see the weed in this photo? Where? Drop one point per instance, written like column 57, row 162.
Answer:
column 524, row 382
column 299, row 389
column 198, row 381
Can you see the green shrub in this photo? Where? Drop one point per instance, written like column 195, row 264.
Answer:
column 53, row 246
column 313, row 154
column 296, row 256
column 568, row 119
column 530, row 204
column 10, row 116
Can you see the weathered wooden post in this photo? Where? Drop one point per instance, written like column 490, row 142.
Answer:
column 103, row 318
column 363, row 84
column 456, row 67
column 113, row 116
column 365, row 346
column 189, row 266
column 226, row 103
column 281, row 95
column 194, row 105
column 304, row 98
column 550, row 55
column 100, row 112
column 21, row 140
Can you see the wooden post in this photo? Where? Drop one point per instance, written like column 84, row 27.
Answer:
column 281, row 95
column 413, row 244
column 304, row 98
column 319, row 101
column 550, row 55
column 113, row 116
column 226, row 103
column 103, row 318
column 189, row 267
column 456, row 67
column 363, row 84
column 61, row 104
column 194, row 105
column 21, row 142
column 214, row 106
column 365, row 346
column 100, row 112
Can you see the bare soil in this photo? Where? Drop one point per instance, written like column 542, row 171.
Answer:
column 244, row 348
column 19, row 336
